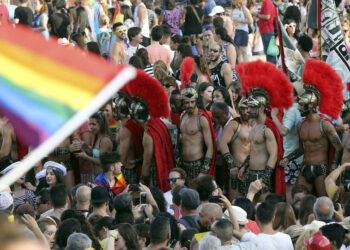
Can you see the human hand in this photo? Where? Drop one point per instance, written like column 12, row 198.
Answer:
column 338, row 214
column 234, row 172
column 255, row 186
column 284, row 162
column 274, row 112
column 30, row 222
column 144, row 188
column 225, row 201
column 241, row 176
column 82, row 155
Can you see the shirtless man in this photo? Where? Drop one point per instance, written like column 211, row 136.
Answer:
column 8, row 149
column 235, row 147
column 263, row 145
column 316, row 135
column 195, row 137
column 345, row 115
column 130, row 157
column 119, row 51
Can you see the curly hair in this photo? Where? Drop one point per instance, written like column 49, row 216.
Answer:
column 160, row 70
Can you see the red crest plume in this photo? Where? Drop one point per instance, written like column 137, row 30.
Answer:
column 268, row 77
column 186, row 71
column 348, row 86
column 150, row 90
column 329, row 84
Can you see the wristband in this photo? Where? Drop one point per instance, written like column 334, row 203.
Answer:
column 229, row 160
column 267, row 175
column 113, row 235
column 206, row 165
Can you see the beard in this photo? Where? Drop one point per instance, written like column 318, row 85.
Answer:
column 215, row 59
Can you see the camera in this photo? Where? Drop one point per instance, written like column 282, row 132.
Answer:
column 134, row 187
column 215, row 199
column 143, row 198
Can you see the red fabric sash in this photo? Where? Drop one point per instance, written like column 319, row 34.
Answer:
column 207, row 115
column 175, row 118
column 280, row 181
column 136, row 131
column 163, row 151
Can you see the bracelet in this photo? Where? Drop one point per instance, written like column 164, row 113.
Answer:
column 113, row 235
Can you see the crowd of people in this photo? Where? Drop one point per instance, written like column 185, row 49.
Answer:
column 211, row 147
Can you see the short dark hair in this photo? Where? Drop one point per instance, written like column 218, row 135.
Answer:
column 223, row 107
column 132, row 32
column 334, row 232
column 185, row 50
column 58, row 195
column 136, row 61
column 205, row 187
column 218, row 22
column 59, row 4
column 176, row 195
column 116, row 25
column 159, row 230
column 246, row 205
column 106, row 221
column 166, row 30
column 66, row 228
column 265, row 212
column 186, row 237
column 224, row 229
column 157, row 33
column 107, row 159
column 44, row 196
column 142, row 231
column 182, row 172
column 305, row 42
column 175, row 38
column 300, row 188
column 275, row 198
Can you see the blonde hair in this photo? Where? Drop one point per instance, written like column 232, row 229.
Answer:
column 346, row 23
column 300, row 245
column 103, row 20
column 239, row 4
column 160, row 70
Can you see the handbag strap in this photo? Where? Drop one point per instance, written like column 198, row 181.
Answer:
column 195, row 13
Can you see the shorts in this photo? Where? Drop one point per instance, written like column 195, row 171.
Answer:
column 253, row 175
column 192, row 168
column 292, row 171
column 311, row 172
column 241, row 38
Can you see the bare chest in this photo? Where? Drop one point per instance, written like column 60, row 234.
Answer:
column 310, row 131
column 257, row 135
column 190, row 125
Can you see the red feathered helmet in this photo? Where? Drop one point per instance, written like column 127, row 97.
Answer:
column 267, row 85
column 186, row 72
column 323, row 88
column 122, row 104
column 150, row 99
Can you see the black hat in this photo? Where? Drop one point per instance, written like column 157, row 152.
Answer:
column 123, row 202
column 99, row 195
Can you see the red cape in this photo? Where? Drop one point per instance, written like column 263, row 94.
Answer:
column 163, row 151
column 175, row 118
column 207, row 115
column 280, row 181
column 136, row 131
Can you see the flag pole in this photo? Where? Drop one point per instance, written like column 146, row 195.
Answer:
column 125, row 75
column 319, row 29
column 280, row 40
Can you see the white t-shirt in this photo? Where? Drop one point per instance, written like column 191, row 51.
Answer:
column 145, row 27
column 277, row 241
column 169, row 200
column 172, row 53
column 132, row 50
column 238, row 13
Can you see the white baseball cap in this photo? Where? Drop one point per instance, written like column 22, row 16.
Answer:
column 216, row 10
column 240, row 213
column 6, row 200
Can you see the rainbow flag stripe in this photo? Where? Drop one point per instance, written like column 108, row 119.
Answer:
column 43, row 84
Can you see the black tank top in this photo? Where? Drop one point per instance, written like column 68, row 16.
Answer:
column 216, row 77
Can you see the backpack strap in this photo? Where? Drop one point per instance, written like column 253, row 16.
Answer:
column 190, row 221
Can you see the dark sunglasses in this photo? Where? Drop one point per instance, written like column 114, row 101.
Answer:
column 168, row 85
column 346, row 6
column 173, row 179
column 213, row 50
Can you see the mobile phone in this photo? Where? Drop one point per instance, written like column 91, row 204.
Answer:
column 143, row 198
column 215, row 199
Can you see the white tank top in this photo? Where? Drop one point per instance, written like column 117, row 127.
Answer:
column 145, row 27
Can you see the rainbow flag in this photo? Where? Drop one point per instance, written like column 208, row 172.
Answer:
column 48, row 90
column 43, row 84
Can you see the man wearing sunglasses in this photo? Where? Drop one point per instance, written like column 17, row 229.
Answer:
column 221, row 72
column 177, row 177
column 119, row 51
